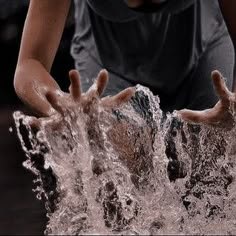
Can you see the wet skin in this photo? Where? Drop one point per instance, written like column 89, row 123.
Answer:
column 125, row 145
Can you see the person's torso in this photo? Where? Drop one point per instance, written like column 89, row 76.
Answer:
column 157, row 50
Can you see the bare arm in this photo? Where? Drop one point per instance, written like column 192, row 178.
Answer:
column 228, row 9
column 42, row 33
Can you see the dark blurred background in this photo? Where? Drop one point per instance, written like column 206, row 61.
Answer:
column 20, row 211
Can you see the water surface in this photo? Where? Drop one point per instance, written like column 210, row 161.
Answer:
column 132, row 171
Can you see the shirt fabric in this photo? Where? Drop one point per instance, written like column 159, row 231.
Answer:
column 159, row 50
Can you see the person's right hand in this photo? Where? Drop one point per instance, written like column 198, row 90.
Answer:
column 60, row 101
column 32, row 83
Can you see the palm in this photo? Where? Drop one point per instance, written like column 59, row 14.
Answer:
column 222, row 114
column 62, row 102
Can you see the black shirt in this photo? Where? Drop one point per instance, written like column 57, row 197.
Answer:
column 158, row 50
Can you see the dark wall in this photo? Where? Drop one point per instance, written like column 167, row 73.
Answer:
column 20, row 211
column 12, row 16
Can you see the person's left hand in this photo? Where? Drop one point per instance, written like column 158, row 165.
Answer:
column 222, row 114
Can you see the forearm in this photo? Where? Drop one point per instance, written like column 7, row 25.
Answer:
column 32, row 82
column 40, row 39
column 42, row 30
column 228, row 9
column 30, row 71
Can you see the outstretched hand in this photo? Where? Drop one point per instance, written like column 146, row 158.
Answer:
column 61, row 102
column 222, row 114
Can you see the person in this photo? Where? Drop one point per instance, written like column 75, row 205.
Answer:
column 169, row 46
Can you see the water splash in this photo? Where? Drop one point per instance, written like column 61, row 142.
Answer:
column 131, row 171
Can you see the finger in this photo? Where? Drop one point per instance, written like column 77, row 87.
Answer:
column 75, row 87
column 205, row 116
column 99, row 85
column 119, row 99
column 54, row 101
column 220, row 86
column 124, row 96
column 102, row 81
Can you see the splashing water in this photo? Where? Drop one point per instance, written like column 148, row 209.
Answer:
column 131, row 171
